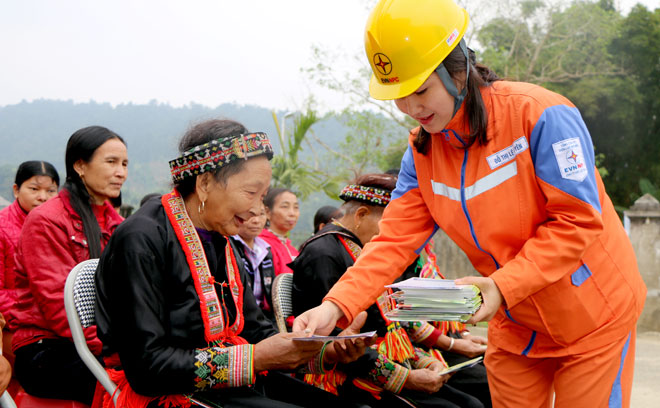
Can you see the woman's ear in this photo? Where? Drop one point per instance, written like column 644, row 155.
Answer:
column 79, row 167
column 15, row 188
column 362, row 212
column 203, row 185
column 459, row 81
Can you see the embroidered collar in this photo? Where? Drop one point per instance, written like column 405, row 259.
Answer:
column 214, row 313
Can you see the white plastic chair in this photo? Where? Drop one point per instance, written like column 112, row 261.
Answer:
column 80, row 303
column 281, row 296
column 6, row 401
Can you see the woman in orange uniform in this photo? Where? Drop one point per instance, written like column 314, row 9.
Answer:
column 507, row 170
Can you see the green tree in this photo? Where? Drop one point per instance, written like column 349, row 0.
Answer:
column 638, row 48
column 289, row 170
column 543, row 43
column 605, row 63
column 378, row 132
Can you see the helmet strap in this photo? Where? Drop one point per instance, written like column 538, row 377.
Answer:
column 448, row 82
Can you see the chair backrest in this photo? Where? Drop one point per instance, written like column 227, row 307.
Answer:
column 80, row 303
column 6, row 401
column 281, row 295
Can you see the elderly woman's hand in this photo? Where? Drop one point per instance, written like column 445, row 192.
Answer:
column 279, row 352
column 346, row 351
column 426, row 380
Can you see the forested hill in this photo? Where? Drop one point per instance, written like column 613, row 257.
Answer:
column 39, row 130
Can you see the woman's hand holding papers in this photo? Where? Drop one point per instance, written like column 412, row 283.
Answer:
column 468, row 348
column 346, row 351
column 491, row 297
column 475, row 339
column 426, row 379
column 319, row 320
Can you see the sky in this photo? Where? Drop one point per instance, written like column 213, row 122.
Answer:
column 178, row 51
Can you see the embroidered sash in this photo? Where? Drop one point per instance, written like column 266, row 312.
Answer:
column 213, row 312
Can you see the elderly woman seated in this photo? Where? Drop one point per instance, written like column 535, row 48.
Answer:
column 178, row 322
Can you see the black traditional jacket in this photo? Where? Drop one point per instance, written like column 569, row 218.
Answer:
column 149, row 312
column 322, row 260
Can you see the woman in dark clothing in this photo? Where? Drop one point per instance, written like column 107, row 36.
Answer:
column 258, row 260
column 178, row 322
column 397, row 366
column 324, row 215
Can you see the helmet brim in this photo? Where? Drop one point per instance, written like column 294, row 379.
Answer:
column 385, row 92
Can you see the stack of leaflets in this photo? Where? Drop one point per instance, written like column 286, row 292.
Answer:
column 421, row 299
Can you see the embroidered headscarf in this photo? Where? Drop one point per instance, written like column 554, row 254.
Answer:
column 369, row 189
column 218, row 153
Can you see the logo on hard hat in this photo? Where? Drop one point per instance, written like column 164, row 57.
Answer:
column 382, row 64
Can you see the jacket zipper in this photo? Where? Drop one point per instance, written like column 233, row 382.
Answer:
column 464, row 205
column 476, row 241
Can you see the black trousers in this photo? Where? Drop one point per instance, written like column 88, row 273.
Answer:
column 446, row 397
column 473, row 380
column 51, row 368
column 275, row 390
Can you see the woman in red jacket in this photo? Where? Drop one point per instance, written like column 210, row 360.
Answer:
column 36, row 182
column 282, row 210
column 507, row 170
column 70, row 228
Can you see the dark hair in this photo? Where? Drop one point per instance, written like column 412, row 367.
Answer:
column 148, row 197
column 475, row 110
column 273, row 193
column 32, row 168
column 324, row 215
column 205, row 132
column 81, row 146
column 116, row 201
column 376, row 180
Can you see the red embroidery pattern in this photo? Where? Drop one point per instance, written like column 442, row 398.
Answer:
column 212, row 311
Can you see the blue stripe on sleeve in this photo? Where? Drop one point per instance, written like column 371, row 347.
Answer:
column 435, row 229
column 407, row 175
column 556, row 124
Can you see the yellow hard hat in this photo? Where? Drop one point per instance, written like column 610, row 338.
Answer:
column 405, row 40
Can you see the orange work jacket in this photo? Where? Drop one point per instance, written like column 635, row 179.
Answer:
column 530, row 211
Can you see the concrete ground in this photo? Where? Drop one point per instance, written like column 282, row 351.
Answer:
column 646, row 387
column 646, row 383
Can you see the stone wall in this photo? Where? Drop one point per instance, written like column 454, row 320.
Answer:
column 642, row 222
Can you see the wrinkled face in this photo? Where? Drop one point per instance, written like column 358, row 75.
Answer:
column 231, row 204
column 430, row 105
column 35, row 191
column 284, row 215
column 253, row 227
column 105, row 172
